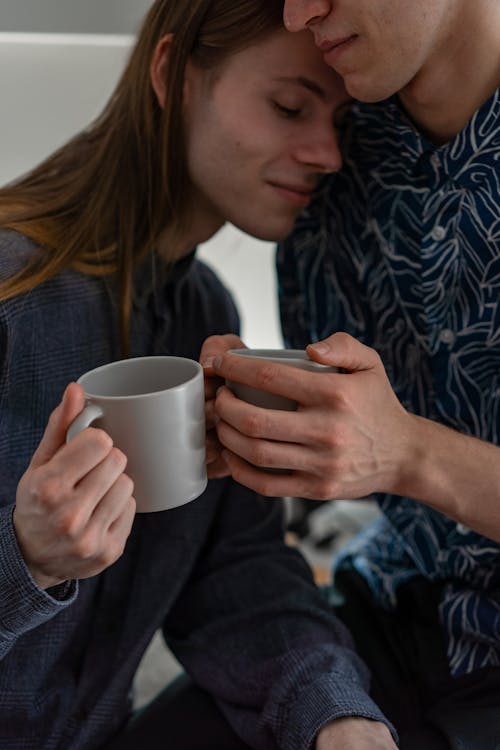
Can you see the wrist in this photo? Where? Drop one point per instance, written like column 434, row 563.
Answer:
column 42, row 579
column 355, row 733
column 445, row 469
column 411, row 458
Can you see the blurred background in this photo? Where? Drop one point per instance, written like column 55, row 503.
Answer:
column 74, row 16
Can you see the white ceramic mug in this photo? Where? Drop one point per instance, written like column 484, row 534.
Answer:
column 291, row 357
column 154, row 410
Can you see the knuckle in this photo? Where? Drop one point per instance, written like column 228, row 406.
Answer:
column 328, row 490
column 108, row 555
column 118, row 458
column 329, row 440
column 251, row 424
column 49, row 491
column 259, row 455
column 125, row 485
column 343, row 338
column 266, row 487
column 53, row 418
column 131, row 507
column 68, row 525
column 334, row 439
column 238, row 473
column 211, row 342
column 100, row 438
column 266, row 376
column 86, row 549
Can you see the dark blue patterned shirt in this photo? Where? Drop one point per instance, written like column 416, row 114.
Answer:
column 402, row 250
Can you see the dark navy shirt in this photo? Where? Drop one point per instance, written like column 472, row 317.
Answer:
column 238, row 607
column 402, row 250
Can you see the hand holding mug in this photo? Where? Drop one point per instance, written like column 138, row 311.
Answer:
column 74, row 505
column 153, row 409
column 348, row 438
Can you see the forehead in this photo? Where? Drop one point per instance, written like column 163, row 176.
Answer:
column 281, row 57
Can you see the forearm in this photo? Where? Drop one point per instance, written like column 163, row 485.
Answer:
column 456, row 474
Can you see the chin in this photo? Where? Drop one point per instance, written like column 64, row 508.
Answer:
column 271, row 232
column 367, row 91
column 274, row 235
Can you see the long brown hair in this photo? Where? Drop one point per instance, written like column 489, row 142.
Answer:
column 100, row 203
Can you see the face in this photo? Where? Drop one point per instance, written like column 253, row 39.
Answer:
column 261, row 134
column 379, row 47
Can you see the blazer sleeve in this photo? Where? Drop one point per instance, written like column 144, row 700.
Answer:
column 23, row 604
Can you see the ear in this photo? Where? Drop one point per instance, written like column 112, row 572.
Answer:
column 158, row 68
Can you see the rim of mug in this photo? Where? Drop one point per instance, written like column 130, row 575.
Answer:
column 284, row 356
column 123, row 362
column 270, row 353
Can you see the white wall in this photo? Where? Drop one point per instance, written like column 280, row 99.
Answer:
column 53, row 85
column 77, row 16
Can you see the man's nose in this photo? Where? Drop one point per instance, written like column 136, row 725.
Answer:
column 300, row 14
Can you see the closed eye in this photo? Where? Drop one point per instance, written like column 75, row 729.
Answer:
column 288, row 112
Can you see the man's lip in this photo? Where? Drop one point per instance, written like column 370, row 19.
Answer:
column 326, row 45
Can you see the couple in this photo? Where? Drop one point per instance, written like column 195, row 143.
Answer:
column 223, row 115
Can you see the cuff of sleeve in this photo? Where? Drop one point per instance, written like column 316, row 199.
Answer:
column 23, row 604
column 323, row 701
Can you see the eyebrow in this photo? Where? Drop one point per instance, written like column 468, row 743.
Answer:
column 305, row 83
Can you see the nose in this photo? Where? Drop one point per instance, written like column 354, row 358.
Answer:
column 300, row 14
column 321, row 151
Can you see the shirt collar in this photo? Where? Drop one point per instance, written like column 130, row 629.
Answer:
column 393, row 149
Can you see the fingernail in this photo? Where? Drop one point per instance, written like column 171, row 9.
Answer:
column 320, row 347
column 208, row 362
column 216, row 362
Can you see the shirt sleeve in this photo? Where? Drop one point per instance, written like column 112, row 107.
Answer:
column 23, row 604
column 253, row 629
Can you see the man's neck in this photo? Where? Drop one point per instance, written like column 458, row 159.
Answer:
column 459, row 77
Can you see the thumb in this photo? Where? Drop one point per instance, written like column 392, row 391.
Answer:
column 54, row 437
column 214, row 346
column 344, row 351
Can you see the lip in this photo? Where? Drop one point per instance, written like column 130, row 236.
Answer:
column 297, row 195
column 333, row 48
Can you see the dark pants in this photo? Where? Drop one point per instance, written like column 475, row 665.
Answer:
column 181, row 717
column 410, row 677
column 410, row 682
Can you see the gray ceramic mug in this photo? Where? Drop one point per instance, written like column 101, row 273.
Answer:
column 291, row 357
column 154, row 410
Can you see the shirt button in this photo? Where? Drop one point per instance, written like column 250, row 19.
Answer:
column 438, row 233
column 447, row 336
column 462, row 529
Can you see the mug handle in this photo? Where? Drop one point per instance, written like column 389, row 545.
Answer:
column 90, row 413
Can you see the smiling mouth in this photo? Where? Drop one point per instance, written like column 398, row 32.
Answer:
column 296, row 195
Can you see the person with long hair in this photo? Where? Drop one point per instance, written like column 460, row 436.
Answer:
column 220, row 115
